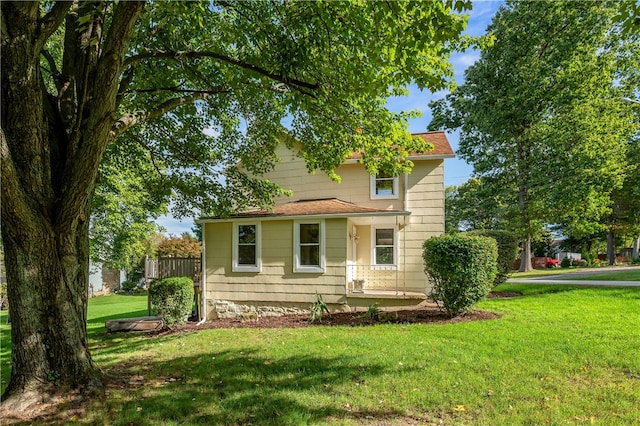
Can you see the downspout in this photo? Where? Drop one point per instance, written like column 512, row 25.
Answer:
column 203, row 278
column 405, row 191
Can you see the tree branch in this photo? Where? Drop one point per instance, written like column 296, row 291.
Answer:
column 128, row 120
column 51, row 21
column 177, row 90
column 55, row 72
column 14, row 198
column 298, row 84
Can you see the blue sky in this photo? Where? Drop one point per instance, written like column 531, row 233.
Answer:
column 457, row 171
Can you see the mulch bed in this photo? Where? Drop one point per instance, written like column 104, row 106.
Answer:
column 428, row 314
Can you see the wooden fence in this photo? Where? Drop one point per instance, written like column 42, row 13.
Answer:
column 172, row 267
column 164, row 267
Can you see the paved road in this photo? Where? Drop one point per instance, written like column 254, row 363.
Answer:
column 586, row 283
column 561, row 279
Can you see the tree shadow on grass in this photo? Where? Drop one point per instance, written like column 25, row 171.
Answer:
column 229, row 387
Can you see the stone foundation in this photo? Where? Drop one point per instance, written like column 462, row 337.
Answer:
column 245, row 310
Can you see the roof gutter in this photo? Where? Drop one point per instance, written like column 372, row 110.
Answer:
column 303, row 216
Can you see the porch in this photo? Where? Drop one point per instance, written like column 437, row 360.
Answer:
column 384, row 285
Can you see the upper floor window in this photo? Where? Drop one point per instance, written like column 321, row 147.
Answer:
column 246, row 247
column 384, row 186
column 309, row 246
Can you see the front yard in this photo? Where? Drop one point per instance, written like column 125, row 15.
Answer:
column 557, row 355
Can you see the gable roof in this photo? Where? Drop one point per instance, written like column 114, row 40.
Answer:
column 326, row 207
column 441, row 147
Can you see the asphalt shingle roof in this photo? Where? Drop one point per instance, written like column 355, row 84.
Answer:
column 320, row 207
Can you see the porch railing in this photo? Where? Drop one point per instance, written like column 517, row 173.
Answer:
column 361, row 278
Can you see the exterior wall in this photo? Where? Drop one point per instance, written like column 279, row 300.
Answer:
column 276, row 284
column 292, row 174
column 426, row 202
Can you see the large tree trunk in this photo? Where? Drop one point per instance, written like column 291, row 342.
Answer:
column 634, row 251
column 50, row 150
column 47, row 273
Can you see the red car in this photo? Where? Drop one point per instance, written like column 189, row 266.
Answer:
column 552, row 263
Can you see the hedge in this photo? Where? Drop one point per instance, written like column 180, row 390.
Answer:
column 461, row 270
column 507, row 250
column 172, row 299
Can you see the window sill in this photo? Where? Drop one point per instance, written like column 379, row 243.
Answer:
column 245, row 269
column 308, row 270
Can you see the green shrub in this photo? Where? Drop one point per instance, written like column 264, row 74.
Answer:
column 507, row 250
column 172, row 299
column 128, row 285
column 461, row 270
column 565, row 263
column 582, row 263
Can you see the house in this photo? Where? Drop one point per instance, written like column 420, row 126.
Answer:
column 356, row 243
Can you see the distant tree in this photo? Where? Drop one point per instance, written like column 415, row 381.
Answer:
column 472, row 206
column 185, row 245
column 128, row 199
column 540, row 115
column 625, row 216
column 197, row 231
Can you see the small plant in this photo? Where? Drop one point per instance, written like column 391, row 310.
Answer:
column 318, row 309
column 566, row 262
column 54, row 377
column 372, row 312
column 172, row 299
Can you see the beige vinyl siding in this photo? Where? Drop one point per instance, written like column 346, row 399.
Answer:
column 276, row 282
column 426, row 202
column 292, row 174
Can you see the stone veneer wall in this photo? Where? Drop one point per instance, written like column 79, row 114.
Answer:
column 227, row 309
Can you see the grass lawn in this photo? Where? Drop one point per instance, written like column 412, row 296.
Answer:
column 626, row 275
column 558, row 355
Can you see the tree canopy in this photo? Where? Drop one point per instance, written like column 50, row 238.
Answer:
column 174, row 94
column 540, row 113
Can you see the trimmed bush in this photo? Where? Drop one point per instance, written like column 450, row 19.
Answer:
column 507, row 251
column 128, row 285
column 565, row 262
column 461, row 270
column 172, row 299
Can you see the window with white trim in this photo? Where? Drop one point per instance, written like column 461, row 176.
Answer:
column 384, row 247
column 384, row 186
column 308, row 246
column 246, row 247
